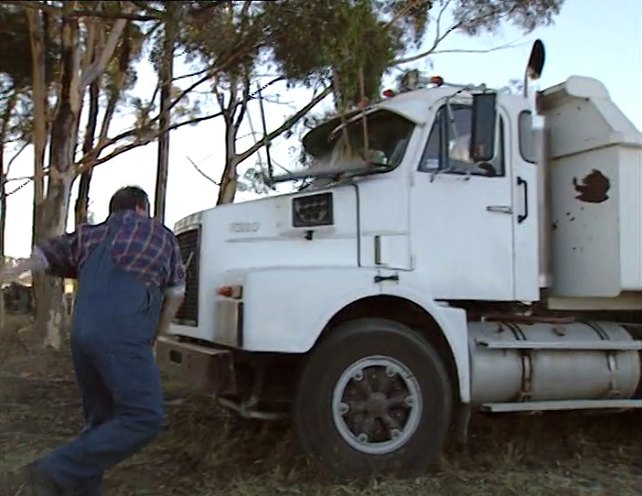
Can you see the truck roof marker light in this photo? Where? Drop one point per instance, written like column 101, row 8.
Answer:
column 388, row 93
column 437, row 80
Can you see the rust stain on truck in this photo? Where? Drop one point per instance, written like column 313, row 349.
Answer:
column 594, row 187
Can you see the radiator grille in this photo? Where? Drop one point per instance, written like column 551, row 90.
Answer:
column 189, row 241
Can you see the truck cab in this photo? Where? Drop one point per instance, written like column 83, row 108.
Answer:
column 443, row 257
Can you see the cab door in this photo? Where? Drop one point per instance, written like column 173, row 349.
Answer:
column 462, row 214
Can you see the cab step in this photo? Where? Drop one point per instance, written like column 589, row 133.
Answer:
column 541, row 406
column 601, row 345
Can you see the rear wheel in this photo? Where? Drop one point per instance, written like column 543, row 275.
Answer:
column 374, row 396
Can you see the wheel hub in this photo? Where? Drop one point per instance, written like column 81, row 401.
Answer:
column 377, row 405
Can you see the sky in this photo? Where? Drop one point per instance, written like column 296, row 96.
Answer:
column 588, row 38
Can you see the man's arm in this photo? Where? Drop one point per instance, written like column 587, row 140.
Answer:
column 36, row 263
column 175, row 290
column 56, row 256
column 172, row 301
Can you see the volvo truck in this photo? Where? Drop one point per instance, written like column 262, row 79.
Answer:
column 449, row 249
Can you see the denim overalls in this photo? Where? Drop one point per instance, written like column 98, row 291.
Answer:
column 115, row 320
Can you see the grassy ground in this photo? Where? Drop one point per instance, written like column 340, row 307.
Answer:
column 205, row 452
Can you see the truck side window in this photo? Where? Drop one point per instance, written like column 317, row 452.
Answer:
column 459, row 140
column 527, row 137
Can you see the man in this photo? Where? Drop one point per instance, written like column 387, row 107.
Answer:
column 131, row 283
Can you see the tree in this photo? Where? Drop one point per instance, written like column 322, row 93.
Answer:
column 95, row 49
column 231, row 56
column 15, row 68
column 118, row 78
column 74, row 79
column 12, row 132
column 166, row 74
column 258, row 34
column 474, row 17
column 353, row 44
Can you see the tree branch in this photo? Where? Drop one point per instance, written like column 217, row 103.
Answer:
column 438, row 23
column 91, row 45
column 25, row 183
column 183, row 93
column 133, row 132
column 42, row 6
column 242, row 105
column 15, row 156
column 209, row 75
column 203, row 173
column 437, row 41
column 83, row 164
column 487, row 50
column 194, row 74
column 267, row 85
column 127, row 16
column 291, row 121
column 56, row 11
column 21, row 178
column 407, row 8
column 290, row 105
column 219, row 98
column 98, row 66
column 112, row 102
column 440, row 38
column 196, row 120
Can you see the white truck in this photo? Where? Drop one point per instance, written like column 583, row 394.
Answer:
column 415, row 280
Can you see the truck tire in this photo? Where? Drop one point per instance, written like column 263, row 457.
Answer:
column 373, row 397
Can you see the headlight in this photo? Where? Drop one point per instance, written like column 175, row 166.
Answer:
column 312, row 210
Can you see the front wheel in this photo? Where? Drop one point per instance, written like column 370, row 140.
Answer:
column 373, row 397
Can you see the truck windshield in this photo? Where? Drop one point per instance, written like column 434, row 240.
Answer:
column 357, row 145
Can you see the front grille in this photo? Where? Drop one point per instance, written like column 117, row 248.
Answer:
column 189, row 241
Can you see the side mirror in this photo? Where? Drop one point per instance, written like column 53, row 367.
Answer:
column 535, row 64
column 482, row 139
column 536, row 60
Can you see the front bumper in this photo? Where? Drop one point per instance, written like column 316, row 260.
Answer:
column 208, row 369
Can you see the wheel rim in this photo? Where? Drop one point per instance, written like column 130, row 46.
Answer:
column 377, row 405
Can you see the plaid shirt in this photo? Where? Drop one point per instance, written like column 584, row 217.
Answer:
column 142, row 247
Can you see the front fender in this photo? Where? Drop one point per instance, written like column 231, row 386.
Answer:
column 286, row 309
column 452, row 322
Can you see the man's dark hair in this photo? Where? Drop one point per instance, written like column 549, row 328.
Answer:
column 128, row 198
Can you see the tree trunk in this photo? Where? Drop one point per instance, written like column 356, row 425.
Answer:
column 50, row 309
column 3, row 223
column 82, row 202
column 229, row 178
column 166, row 76
column 227, row 190
column 39, row 138
column 3, row 203
column 37, row 32
column 4, row 130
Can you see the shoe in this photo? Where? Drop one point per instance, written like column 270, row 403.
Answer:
column 38, row 483
column 90, row 487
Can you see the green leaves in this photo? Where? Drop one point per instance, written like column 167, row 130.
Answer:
column 337, row 39
column 15, row 49
column 476, row 16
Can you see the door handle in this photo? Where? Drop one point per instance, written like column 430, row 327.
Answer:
column 500, row 209
column 522, row 217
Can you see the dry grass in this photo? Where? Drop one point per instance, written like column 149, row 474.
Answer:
column 206, row 452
